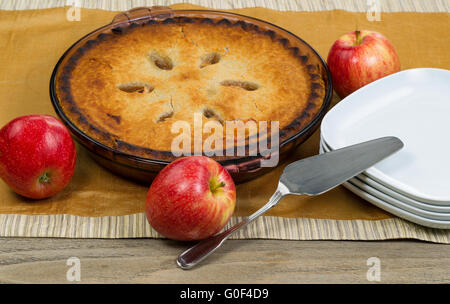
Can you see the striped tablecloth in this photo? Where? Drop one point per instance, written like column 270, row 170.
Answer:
column 422, row 6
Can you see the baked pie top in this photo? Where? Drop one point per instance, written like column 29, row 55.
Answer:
column 127, row 88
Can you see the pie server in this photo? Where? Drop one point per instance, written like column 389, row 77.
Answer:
column 311, row 176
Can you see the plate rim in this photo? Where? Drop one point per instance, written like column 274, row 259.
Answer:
column 397, row 203
column 403, row 199
column 441, row 224
column 378, row 175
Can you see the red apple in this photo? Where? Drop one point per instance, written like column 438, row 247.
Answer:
column 191, row 199
column 37, row 156
column 358, row 58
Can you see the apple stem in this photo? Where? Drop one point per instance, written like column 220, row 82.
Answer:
column 214, row 185
column 358, row 37
column 44, row 178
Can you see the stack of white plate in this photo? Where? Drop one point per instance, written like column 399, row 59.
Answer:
column 413, row 105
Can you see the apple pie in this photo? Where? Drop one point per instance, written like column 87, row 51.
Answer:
column 126, row 88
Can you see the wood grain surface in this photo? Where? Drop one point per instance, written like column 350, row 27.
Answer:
column 43, row 260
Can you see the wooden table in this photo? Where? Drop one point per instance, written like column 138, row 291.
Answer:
column 43, row 260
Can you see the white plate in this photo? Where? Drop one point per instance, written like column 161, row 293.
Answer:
column 397, row 211
column 397, row 203
column 415, row 218
column 396, row 195
column 413, row 105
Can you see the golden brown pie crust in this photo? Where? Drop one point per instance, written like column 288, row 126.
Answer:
column 125, row 89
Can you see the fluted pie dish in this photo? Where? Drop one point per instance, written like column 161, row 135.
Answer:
column 121, row 88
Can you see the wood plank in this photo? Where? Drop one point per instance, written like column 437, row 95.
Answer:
column 34, row 260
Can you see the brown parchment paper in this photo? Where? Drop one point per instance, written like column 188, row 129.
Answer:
column 31, row 43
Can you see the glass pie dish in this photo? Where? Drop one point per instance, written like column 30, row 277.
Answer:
column 107, row 90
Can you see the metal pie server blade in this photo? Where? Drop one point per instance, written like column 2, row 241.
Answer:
column 312, row 176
